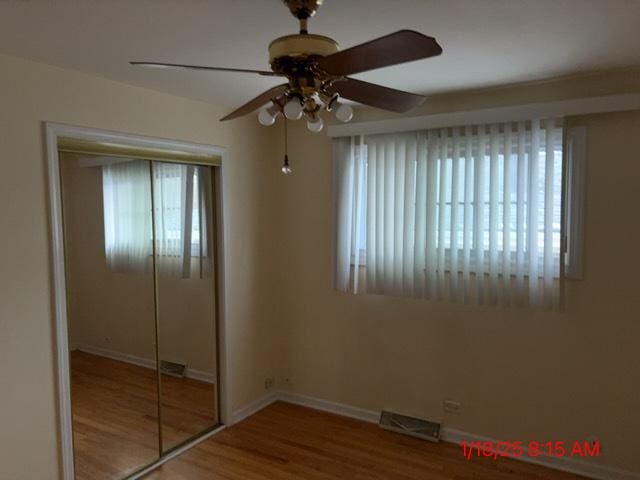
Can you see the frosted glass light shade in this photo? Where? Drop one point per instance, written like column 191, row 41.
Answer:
column 315, row 125
column 265, row 118
column 344, row 113
column 293, row 109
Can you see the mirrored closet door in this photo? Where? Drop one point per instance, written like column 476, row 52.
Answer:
column 188, row 359
column 141, row 301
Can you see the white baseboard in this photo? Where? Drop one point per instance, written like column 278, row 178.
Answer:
column 450, row 435
column 142, row 362
column 200, row 375
column 254, row 407
column 331, row 407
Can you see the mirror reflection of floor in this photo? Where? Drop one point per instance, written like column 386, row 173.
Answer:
column 115, row 415
column 188, row 408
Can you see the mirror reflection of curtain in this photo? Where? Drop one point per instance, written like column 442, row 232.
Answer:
column 180, row 207
column 127, row 202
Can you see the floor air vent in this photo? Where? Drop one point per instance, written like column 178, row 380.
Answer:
column 415, row 427
column 172, row 368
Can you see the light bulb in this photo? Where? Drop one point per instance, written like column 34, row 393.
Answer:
column 315, row 124
column 268, row 114
column 265, row 118
column 293, row 109
column 344, row 112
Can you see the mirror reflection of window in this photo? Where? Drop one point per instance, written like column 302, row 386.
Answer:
column 179, row 209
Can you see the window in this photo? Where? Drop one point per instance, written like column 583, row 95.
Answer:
column 468, row 214
column 179, row 210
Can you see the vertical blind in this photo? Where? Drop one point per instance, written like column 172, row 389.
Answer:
column 179, row 207
column 468, row 215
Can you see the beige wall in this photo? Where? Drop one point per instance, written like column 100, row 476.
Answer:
column 520, row 375
column 31, row 93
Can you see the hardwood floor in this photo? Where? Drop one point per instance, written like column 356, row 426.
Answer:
column 115, row 415
column 288, row 442
column 115, row 433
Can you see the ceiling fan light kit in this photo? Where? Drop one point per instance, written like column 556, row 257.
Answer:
column 315, row 124
column 267, row 116
column 293, row 109
column 344, row 112
column 317, row 73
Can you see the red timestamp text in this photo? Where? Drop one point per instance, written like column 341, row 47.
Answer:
column 533, row 449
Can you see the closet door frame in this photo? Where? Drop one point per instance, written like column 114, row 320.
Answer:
column 54, row 133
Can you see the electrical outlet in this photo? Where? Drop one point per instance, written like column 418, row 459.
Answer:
column 451, row 406
column 268, row 383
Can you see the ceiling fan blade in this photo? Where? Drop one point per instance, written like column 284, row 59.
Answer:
column 376, row 95
column 200, row 67
column 257, row 102
column 399, row 47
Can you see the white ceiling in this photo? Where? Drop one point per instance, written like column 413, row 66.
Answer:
column 486, row 42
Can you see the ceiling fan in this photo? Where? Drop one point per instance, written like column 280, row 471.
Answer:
column 316, row 72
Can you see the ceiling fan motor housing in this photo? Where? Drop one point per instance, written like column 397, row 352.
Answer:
column 302, row 45
column 295, row 57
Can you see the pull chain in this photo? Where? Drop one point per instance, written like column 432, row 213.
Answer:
column 285, row 166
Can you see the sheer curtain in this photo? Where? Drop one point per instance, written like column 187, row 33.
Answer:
column 126, row 192
column 181, row 209
column 468, row 215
